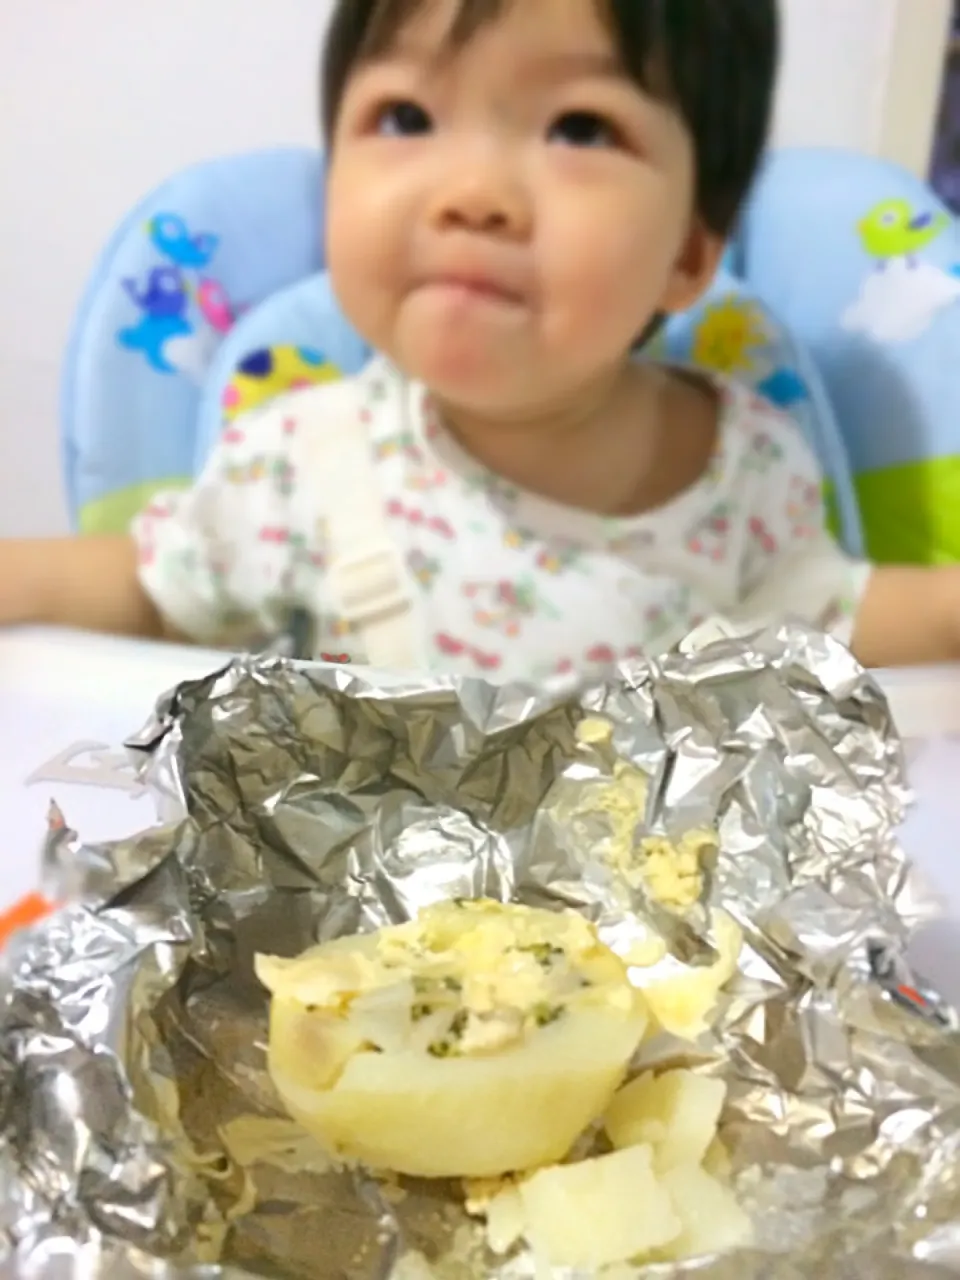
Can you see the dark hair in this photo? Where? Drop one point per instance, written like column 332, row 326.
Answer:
column 714, row 60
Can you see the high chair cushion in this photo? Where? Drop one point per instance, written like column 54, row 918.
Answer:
column 296, row 337
column 861, row 260
column 200, row 250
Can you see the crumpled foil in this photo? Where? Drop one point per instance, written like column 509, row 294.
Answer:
column 139, row 1133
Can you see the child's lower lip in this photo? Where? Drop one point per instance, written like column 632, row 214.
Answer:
column 457, row 289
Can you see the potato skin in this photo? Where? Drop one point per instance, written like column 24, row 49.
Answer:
column 479, row 1039
column 483, row 1116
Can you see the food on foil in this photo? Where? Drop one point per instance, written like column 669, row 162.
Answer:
column 590, row 1214
column 318, row 802
column 682, row 1002
column 476, row 1040
column 676, row 1113
column 670, row 870
column 650, row 1200
column 480, row 1041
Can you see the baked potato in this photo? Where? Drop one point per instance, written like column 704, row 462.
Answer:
column 478, row 1040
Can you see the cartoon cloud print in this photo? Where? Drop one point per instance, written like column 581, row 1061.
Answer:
column 191, row 354
column 900, row 303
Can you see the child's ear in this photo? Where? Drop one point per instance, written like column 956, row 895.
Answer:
column 694, row 269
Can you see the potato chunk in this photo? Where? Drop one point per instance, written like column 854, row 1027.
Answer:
column 601, row 1211
column 676, row 1113
column 712, row 1220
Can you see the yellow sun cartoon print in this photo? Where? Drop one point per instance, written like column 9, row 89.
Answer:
column 730, row 337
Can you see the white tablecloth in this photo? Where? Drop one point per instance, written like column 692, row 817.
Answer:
column 67, row 701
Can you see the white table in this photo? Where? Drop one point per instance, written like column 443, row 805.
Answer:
column 68, row 700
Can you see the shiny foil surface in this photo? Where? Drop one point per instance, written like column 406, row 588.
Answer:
column 139, row 1132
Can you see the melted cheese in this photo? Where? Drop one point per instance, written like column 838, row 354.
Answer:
column 325, row 980
column 683, row 1003
column 471, row 977
column 670, row 871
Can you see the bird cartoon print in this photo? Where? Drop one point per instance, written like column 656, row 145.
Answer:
column 164, row 295
column 163, row 300
column 184, row 312
column 892, row 229
column 172, row 237
column 906, row 289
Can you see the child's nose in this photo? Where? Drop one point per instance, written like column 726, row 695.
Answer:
column 483, row 198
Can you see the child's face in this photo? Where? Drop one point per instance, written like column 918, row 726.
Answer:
column 505, row 217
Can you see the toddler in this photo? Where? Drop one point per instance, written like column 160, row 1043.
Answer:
column 519, row 192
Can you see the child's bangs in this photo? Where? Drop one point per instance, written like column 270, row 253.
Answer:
column 389, row 17
column 652, row 39
column 638, row 29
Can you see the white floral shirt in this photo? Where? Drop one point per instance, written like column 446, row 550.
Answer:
column 507, row 584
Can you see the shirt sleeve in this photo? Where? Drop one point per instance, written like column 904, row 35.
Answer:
column 792, row 565
column 228, row 560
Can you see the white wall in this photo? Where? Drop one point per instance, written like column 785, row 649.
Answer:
column 101, row 98
column 863, row 74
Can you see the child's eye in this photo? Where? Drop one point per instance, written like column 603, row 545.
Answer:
column 403, row 120
column 583, row 129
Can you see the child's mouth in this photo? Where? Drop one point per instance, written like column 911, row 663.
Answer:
column 469, row 287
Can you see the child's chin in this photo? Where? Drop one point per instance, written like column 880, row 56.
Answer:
column 465, row 372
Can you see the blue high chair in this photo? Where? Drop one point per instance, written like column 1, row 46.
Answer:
column 838, row 301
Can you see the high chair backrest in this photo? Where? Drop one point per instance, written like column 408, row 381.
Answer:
column 212, row 298
column 203, row 249
column 861, row 261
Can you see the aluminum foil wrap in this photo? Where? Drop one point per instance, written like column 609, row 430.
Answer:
column 139, row 1133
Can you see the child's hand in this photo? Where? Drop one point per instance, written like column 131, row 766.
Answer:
column 909, row 615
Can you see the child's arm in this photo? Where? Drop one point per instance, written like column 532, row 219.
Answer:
column 224, row 562
column 908, row 615
column 890, row 615
column 85, row 582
